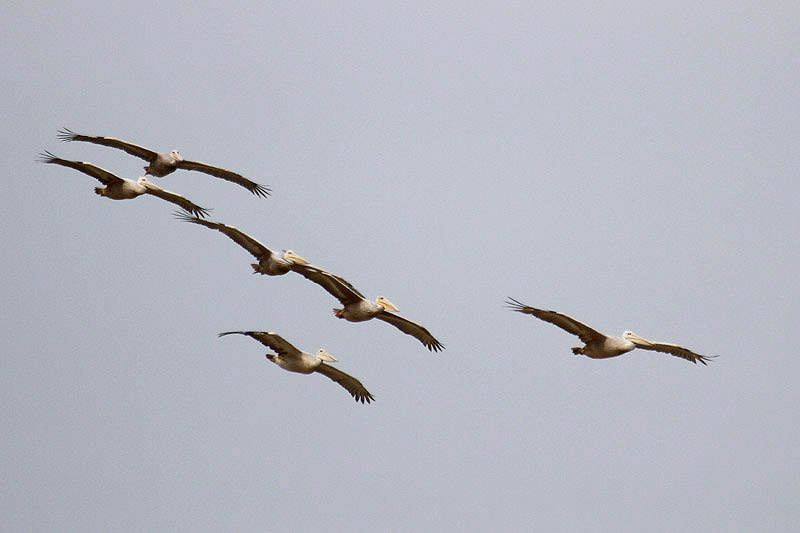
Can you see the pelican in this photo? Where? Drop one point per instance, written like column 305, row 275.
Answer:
column 290, row 358
column 599, row 346
column 269, row 262
column 118, row 188
column 162, row 164
column 358, row 309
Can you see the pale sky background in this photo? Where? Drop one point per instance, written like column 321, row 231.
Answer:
column 634, row 165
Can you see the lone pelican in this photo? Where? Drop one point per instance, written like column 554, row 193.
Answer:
column 358, row 309
column 161, row 164
column 290, row 358
column 599, row 346
column 269, row 262
column 118, row 188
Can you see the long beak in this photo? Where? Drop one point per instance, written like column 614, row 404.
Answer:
column 636, row 339
column 325, row 356
column 386, row 304
column 297, row 259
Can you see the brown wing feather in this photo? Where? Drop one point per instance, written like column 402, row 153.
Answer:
column 340, row 288
column 678, row 351
column 411, row 328
column 176, row 199
column 134, row 149
column 567, row 323
column 268, row 339
column 103, row 176
column 244, row 240
column 228, row 175
column 351, row 384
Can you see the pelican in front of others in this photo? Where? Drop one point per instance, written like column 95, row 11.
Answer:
column 161, row 164
column 290, row 358
column 118, row 188
column 270, row 262
column 599, row 346
column 357, row 308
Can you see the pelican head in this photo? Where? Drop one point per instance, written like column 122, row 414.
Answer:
column 294, row 258
column 386, row 304
column 636, row 339
column 144, row 182
column 325, row 356
column 175, row 155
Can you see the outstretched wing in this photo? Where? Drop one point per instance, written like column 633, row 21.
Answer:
column 176, row 199
column 340, row 288
column 228, row 175
column 674, row 349
column 351, row 384
column 134, row 149
column 567, row 323
column 256, row 249
column 411, row 328
column 268, row 339
column 104, row 176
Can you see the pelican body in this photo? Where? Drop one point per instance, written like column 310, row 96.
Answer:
column 600, row 346
column 608, row 346
column 164, row 164
column 277, row 263
column 293, row 360
column 363, row 309
column 125, row 189
column 270, row 263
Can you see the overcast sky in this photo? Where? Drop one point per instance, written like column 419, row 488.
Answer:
column 635, row 166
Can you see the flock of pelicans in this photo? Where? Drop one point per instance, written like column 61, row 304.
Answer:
column 355, row 306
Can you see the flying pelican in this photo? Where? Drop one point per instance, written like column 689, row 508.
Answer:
column 358, row 309
column 162, row 164
column 269, row 262
column 290, row 358
column 118, row 188
column 599, row 346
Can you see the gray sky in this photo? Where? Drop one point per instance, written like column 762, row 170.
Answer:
column 634, row 166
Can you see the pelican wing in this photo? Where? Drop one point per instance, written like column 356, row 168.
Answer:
column 567, row 323
column 139, row 151
column 351, row 384
column 244, row 240
column 270, row 340
column 340, row 288
column 411, row 328
column 673, row 349
column 228, row 175
column 102, row 175
column 176, row 199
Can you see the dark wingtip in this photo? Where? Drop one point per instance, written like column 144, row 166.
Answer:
column 45, row 157
column 514, row 305
column 66, row 134
column 261, row 191
column 184, row 216
column 705, row 359
column 435, row 346
column 201, row 212
column 364, row 398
